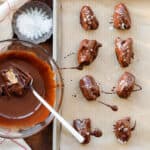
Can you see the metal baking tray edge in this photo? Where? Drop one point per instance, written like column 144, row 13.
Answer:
column 56, row 47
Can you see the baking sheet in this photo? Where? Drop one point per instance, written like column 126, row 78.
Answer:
column 106, row 71
column 57, row 36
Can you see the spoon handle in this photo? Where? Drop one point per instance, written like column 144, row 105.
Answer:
column 58, row 117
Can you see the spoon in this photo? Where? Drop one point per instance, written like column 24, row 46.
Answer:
column 79, row 137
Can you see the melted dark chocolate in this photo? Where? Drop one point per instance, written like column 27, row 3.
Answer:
column 1, row 91
column 20, row 107
column 97, row 133
column 80, row 67
column 113, row 107
column 25, row 110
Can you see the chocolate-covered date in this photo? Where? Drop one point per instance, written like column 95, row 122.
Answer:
column 124, row 51
column 121, row 17
column 91, row 91
column 123, row 130
column 88, row 19
column 15, row 81
column 125, row 85
column 89, row 88
column 87, row 52
column 84, row 128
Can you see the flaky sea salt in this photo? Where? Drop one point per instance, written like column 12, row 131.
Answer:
column 34, row 23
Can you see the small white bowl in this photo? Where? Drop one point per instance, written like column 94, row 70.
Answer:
column 31, row 8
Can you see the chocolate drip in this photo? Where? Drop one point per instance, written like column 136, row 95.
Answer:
column 70, row 54
column 97, row 133
column 80, row 67
column 91, row 90
column 139, row 88
column 134, row 126
column 108, row 92
column 113, row 107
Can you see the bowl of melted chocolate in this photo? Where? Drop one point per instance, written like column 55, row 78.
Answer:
column 21, row 114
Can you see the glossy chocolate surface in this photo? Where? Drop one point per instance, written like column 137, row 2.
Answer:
column 125, row 85
column 124, row 51
column 19, row 107
column 89, row 88
column 121, row 17
column 88, row 52
column 15, row 81
column 88, row 19
column 123, row 129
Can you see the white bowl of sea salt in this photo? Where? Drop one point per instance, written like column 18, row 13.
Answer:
column 33, row 22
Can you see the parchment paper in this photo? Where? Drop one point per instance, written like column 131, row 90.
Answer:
column 106, row 71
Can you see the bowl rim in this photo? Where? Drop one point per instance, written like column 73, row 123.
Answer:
column 28, row 5
column 50, row 116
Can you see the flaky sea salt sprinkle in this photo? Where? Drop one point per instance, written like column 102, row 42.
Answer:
column 34, row 23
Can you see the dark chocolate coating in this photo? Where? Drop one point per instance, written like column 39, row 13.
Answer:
column 1, row 90
column 97, row 133
column 84, row 128
column 123, row 129
column 125, row 85
column 15, row 81
column 121, row 17
column 87, row 18
column 88, row 52
column 124, row 51
column 89, row 88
